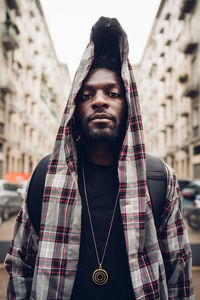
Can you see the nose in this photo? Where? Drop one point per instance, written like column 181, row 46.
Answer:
column 100, row 100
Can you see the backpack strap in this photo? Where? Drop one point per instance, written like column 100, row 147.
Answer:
column 35, row 193
column 157, row 185
column 156, row 182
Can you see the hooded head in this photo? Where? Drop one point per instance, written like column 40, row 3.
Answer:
column 101, row 106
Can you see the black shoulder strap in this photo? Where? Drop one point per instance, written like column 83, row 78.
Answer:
column 156, row 181
column 35, row 193
column 157, row 185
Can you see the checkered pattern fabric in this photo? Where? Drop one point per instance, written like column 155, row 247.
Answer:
column 44, row 267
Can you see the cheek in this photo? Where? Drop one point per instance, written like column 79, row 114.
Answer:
column 82, row 112
column 122, row 110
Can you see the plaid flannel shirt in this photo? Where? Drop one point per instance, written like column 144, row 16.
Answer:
column 44, row 267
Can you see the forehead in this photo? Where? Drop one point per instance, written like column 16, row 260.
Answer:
column 102, row 76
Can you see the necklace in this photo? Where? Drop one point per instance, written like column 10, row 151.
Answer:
column 99, row 276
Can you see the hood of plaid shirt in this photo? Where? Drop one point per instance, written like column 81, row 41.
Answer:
column 59, row 242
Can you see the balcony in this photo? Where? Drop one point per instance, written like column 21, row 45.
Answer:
column 169, row 121
column 184, row 145
column 10, row 38
column 188, row 44
column 13, row 106
column 12, row 4
column 7, row 87
column 33, row 124
column 186, row 6
column 26, row 119
column 191, row 89
column 185, row 108
column 169, row 89
column 161, row 98
column 29, row 64
column 188, row 78
column 189, row 39
column 161, row 126
column 170, row 150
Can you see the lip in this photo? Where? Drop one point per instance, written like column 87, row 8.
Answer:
column 101, row 116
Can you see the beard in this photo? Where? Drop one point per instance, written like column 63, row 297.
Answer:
column 104, row 133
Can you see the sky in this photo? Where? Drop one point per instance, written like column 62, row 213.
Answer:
column 70, row 22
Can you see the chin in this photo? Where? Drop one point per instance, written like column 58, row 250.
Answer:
column 101, row 136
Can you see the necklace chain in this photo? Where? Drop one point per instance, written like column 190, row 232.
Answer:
column 90, row 220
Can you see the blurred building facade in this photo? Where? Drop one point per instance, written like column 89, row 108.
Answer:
column 34, row 87
column 168, row 78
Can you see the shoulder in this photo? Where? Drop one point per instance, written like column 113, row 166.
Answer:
column 172, row 180
column 173, row 195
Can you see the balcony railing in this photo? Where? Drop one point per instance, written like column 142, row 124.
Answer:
column 10, row 38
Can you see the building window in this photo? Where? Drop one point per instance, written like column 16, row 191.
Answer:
column 196, row 150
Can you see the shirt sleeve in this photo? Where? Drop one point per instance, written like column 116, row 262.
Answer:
column 20, row 259
column 174, row 243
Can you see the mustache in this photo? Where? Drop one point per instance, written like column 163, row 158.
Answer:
column 100, row 115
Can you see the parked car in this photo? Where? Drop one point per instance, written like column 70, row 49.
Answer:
column 192, row 190
column 22, row 189
column 10, row 200
column 183, row 183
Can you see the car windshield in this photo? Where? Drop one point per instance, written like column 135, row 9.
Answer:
column 9, row 187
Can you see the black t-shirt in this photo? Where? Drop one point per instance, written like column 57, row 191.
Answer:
column 102, row 189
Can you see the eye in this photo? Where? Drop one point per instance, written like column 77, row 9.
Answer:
column 86, row 97
column 113, row 95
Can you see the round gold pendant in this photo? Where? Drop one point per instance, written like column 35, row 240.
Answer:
column 100, row 276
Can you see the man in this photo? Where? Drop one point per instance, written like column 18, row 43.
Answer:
column 97, row 237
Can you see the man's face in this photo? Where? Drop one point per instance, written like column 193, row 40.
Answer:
column 102, row 107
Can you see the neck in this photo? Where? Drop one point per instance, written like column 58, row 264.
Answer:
column 101, row 153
